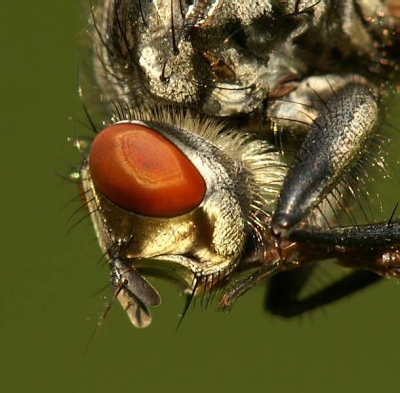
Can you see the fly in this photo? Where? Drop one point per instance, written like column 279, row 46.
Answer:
column 186, row 178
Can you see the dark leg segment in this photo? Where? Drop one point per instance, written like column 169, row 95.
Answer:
column 373, row 235
column 337, row 139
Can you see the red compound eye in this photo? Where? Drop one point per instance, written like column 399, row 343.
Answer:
column 141, row 171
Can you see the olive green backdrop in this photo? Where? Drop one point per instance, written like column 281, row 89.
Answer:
column 51, row 283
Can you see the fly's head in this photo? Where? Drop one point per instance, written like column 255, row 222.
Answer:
column 178, row 197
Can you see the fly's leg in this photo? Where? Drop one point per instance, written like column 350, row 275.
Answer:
column 375, row 247
column 241, row 287
column 288, row 277
column 337, row 139
column 381, row 235
column 289, row 274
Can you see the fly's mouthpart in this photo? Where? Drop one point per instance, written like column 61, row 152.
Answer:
column 196, row 243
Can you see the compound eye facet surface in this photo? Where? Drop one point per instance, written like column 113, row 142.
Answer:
column 143, row 172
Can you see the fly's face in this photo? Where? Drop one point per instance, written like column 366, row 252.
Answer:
column 183, row 180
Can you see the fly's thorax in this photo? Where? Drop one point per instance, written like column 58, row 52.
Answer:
column 228, row 57
column 223, row 58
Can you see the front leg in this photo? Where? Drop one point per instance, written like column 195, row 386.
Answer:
column 337, row 139
column 375, row 247
column 342, row 113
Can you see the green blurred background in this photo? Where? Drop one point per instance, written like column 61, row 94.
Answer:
column 51, row 282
